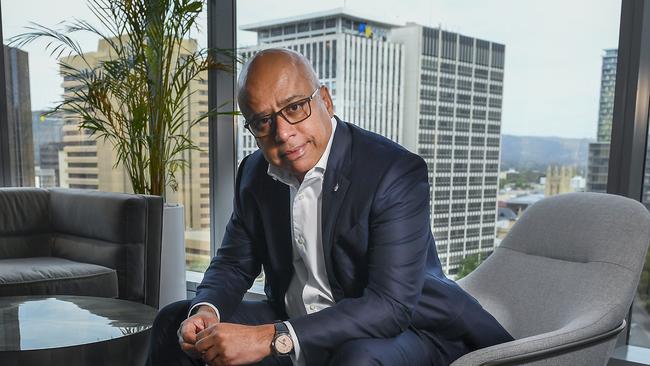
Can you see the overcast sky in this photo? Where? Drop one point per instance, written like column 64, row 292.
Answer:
column 553, row 48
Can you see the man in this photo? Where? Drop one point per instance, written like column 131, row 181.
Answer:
column 338, row 217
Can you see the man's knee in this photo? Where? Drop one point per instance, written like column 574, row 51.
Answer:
column 252, row 313
column 357, row 352
column 164, row 348
column 170, row 317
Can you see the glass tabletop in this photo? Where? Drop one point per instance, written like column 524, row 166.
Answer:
column 42, row 322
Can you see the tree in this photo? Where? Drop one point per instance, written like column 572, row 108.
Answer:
column 468, row 265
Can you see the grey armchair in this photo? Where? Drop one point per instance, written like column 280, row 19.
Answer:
column 562, row 281
column 80, row 242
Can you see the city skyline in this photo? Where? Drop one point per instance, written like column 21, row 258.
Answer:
column 564, row 74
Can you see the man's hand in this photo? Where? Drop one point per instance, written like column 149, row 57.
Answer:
column 190, row 327
column 234, row 344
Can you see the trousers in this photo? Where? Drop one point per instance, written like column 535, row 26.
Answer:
column 411, row 348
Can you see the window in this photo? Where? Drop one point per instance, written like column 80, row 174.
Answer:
column 460, row 154
column 448, row 68
column 60, row 155
column 480, row 87
column 317, row 25
column 462, row 126
column 480, row 100
column 464, row 99
column 481, row 73
column 464, row 85
column 489, row 103
column 446, row 111
column 462, row 140
column 444, row 153
column 462, row 113
column 447, row 82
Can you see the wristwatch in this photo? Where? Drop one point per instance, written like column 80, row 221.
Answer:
column 282, row 344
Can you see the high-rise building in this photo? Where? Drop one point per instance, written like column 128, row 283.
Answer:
column 48, row 172
column 453, row 92
column 597, row 167
column 599, row 150
column 437, row 93
column 45, row 129
column 48, row 141
column 607, row 88
column 89, row 163
column 21, row 149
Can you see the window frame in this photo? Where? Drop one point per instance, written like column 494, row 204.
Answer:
column 628, row 144
column 5, row 163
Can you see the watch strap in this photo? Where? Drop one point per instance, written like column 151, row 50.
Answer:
column 281, row 329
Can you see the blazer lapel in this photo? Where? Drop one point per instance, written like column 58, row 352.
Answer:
column 277, row 212
column 335, row 186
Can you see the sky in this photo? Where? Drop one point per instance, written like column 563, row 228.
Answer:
column 554, row 48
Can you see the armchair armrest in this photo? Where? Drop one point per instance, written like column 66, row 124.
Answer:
column 578, row 334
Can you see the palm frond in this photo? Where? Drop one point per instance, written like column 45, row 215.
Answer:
column 137, row 99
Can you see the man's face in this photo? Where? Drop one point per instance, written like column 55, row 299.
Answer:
column 271, row 86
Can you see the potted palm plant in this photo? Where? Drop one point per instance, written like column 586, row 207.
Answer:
column 136, row 98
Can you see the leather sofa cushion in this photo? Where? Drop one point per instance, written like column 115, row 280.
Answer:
column 126, row 259
column 114, row 217
column 53, row 275
column 26, row 245
column 24, row 211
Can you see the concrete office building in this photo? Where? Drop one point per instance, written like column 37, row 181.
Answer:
column 45, row 130
column 453, row 103
column 21, row 148
column 599, row 150
column 351, row 55
column 559, row 180
column 47, row 172
column 597, row 167
column 437, row 93
column 48, row 141
column 607, row 88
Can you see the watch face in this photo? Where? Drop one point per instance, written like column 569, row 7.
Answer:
column 283, row 344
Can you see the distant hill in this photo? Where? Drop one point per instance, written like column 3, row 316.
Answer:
column 532, row 152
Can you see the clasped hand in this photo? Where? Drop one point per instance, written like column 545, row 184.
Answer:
column 203, row 336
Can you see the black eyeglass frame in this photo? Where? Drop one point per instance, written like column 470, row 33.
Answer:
column 273, row 116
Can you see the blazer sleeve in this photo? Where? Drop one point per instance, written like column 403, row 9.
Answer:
column 399, row 235
column 232, row 271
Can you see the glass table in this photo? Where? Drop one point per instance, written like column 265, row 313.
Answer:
column 73, row 330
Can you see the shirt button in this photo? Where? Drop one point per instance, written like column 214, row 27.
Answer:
column 301, row 240
column 312, row 307
column 301, row 196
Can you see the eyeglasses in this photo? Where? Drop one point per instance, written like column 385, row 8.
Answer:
column 293, row 113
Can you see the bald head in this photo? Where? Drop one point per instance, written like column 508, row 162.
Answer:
column 277, row 83
column 270, row 64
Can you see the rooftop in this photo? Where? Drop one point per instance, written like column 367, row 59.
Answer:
column 505, row 213
column 527, row 199
column 337, row 12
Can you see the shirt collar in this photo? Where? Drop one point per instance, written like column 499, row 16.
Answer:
column 288, row 179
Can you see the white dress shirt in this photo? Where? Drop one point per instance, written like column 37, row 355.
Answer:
column 309, row 290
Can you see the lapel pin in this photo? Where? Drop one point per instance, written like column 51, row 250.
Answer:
column 336, row 187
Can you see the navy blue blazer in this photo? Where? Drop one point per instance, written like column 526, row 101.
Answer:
column 380, row 255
